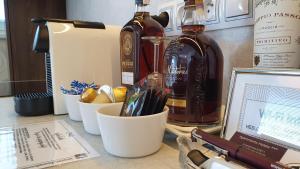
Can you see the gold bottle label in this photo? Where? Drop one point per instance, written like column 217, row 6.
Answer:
column 127, row 57
column 176, row 102
column 127, row 43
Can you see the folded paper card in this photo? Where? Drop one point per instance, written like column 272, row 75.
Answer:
column 42, row 145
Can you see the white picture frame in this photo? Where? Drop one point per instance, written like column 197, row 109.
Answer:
column 267, row 88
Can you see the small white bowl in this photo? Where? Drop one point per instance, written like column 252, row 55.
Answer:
column 131, row 136
column 89, row 117
column 71, row 102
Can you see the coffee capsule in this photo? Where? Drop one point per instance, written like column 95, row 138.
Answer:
column 102, row 98
column 108, row 91
column 88, row 95
column 120, row 94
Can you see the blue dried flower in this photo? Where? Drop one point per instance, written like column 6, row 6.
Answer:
column 77, row 87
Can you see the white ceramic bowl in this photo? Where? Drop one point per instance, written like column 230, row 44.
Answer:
column 71, row 102
column 131, row 136
column 89, row 117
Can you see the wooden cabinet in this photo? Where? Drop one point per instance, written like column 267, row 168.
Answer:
column 26, row 67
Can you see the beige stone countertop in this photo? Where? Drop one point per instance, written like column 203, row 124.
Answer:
column 165, row 158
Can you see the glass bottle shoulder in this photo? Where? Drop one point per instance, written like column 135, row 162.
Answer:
column 200, row 39
column 144, row 24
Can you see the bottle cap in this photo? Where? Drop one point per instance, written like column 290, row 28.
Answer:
column 194, row 2
column 142, row 2
column 199, row 4
column 199, row 8
column 189, row 2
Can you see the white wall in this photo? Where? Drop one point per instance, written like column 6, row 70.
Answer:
column 237, row 48
column 236, row 43
column 112, row 12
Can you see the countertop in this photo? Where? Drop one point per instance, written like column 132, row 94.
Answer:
column 165, row 158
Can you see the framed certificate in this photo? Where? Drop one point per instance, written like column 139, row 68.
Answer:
column 265, row 104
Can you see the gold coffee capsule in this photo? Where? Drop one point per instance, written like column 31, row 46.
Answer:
column 102, row 98
column 120, row 94
column 88, row 95
column 108, row 91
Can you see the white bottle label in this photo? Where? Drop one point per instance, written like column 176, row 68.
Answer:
column 277, row 34
column 127, row 78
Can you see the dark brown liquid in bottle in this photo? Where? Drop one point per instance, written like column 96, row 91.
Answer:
column 137, row 54
column 194, row 74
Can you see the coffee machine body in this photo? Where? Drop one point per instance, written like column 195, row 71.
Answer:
column 83, row 51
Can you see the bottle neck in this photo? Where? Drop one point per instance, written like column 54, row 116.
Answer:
column 192, row 29
column 141, row 10
column 193, row 20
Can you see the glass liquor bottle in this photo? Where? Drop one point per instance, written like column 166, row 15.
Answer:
column 137, row 54
column 193, row 71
